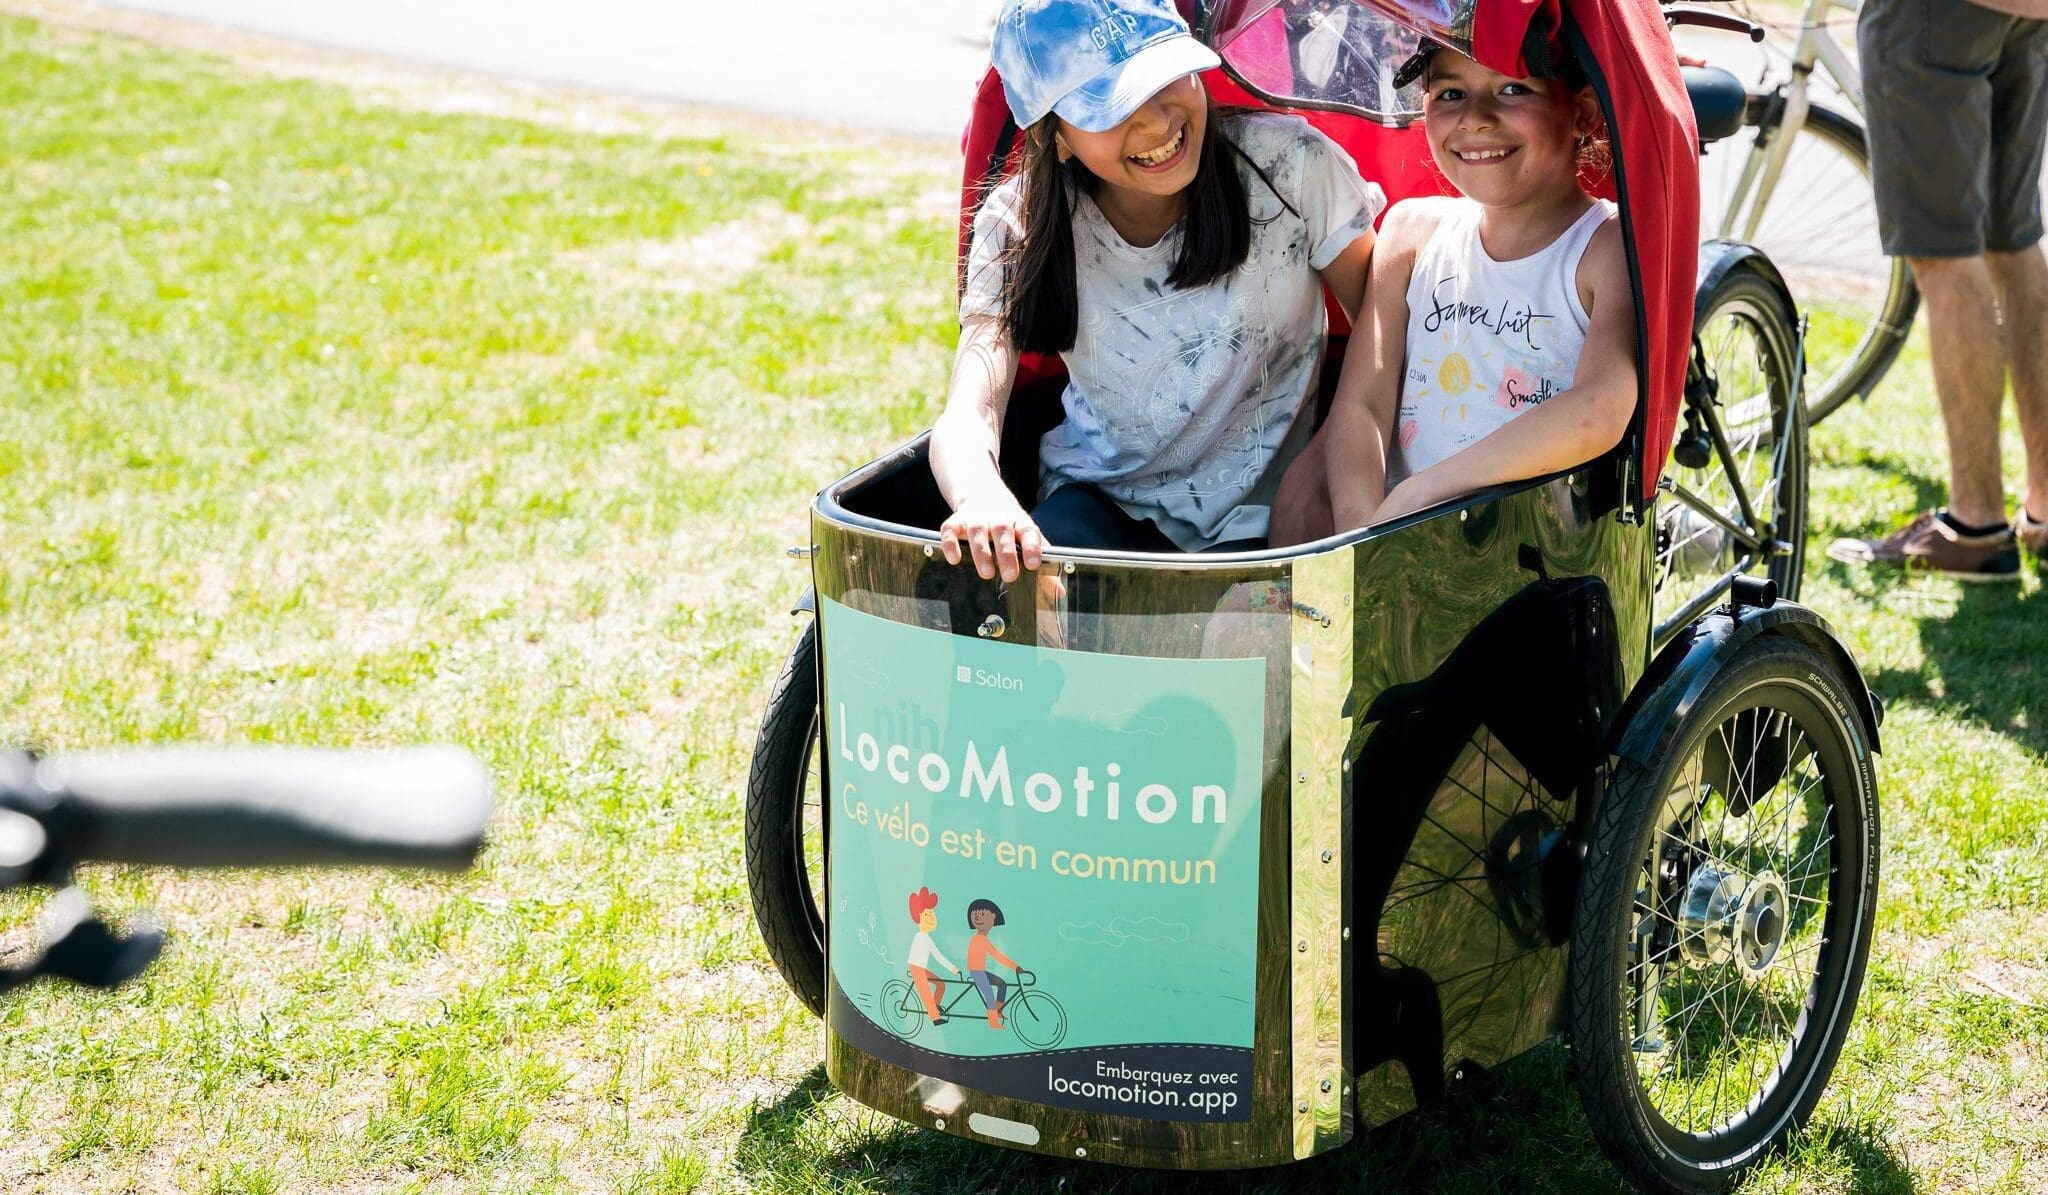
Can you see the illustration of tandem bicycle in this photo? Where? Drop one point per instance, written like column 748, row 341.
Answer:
column 1031, row 1013
column 906, row 1004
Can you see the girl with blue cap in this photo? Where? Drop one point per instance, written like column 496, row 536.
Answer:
column 1173, row 255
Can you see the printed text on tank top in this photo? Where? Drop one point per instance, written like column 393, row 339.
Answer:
column 1508, row 320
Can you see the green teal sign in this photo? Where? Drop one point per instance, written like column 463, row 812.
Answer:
column 1043, row 879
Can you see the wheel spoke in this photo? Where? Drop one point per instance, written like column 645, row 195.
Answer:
column 1726, row 1034
column 1744, row 363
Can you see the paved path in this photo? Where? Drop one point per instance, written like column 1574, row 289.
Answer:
column 900, row 65
column 906, row 66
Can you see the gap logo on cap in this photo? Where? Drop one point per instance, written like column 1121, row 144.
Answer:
column 1112, row 28
column 1094, row 62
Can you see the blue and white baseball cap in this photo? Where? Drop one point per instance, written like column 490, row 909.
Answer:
column 1092, row 61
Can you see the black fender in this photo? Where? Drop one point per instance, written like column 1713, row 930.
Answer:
column 807, row 604
column 1720, row 258
column 1674, row 681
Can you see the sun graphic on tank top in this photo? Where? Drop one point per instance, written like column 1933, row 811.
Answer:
column 1453, row 372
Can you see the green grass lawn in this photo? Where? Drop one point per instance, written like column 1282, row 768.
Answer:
column 330, row 420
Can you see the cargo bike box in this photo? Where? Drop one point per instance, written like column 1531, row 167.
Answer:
column 1210, row 861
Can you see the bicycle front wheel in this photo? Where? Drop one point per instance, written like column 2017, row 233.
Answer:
column 1037, row 1019
column 1817, row 221
column 1723, row 924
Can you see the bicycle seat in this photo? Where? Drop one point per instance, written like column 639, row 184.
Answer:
column 1719, row 101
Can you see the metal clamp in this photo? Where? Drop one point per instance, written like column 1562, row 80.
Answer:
column 1313, row 614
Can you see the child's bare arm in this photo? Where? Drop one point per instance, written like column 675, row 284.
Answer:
column 1572, row 428
column 965, row 444
column 1369, row 386
column 1346, row 273
column 1301, row 504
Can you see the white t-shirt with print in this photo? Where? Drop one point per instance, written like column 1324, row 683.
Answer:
column 1180, row 403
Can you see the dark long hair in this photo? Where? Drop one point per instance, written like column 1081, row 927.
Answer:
column 1041, row 300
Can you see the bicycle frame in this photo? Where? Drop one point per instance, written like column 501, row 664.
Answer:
column 966, row 985
column 1815, row 45
column 1754, row 549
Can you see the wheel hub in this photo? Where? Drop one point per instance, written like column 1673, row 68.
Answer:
column 1695, row 542
column 1730, row 917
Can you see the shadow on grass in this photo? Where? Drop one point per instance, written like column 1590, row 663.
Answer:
column 1987, row 655
column 1516, row 1129
column 1873, row 1168
column 778, row 1123
column 1929, row 492
column 1520, row 1128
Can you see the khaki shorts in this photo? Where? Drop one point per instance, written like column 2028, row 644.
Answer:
column 1956, row 99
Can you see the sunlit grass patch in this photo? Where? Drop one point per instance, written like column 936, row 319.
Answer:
column 339, row 423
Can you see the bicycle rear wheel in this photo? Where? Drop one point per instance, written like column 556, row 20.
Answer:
column 898, row 1009
column 786, row 827
column 1818, row 224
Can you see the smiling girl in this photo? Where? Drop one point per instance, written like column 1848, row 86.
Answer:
column 1500, row 339
column 1174, row 256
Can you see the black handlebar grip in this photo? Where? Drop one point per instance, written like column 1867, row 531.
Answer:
column 263, row 807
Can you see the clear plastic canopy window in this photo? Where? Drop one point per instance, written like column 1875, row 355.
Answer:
column 1338, row 54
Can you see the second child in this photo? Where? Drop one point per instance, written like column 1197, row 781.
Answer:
column 1500, row 328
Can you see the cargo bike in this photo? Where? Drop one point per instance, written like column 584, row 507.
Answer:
column 1297, row 834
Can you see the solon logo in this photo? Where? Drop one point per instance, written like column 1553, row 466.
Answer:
column 986, row 679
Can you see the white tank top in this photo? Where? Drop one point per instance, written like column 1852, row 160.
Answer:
column 1487, row 339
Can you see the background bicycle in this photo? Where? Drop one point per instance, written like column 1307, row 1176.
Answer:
column 1796, row 183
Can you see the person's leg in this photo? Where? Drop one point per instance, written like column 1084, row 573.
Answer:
column 1928, row 98
column 2019, row 271
column 2021, row 280
column 1968, row 350
column 1971, row 540
column 989, row 999
column 928, row 989
column 1078, row 515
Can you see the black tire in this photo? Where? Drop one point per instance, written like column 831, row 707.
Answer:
column 1037, row 1019
column 785, row 820
column 1819, row 224
column 1743, row 378
column 1769, row 743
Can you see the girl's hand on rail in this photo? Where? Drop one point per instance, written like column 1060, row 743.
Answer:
column 999, row 535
